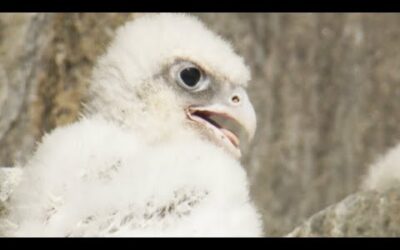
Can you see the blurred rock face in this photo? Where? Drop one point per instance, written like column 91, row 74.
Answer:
column 364, row 214
column 326, row 89
column 45, row 64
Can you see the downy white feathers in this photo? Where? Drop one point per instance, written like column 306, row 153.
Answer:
column 134, row 164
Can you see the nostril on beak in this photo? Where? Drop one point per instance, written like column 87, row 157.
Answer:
column 235, row 99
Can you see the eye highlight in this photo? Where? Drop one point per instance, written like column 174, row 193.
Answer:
column 190, row 77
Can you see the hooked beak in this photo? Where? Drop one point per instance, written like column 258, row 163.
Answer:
column 238, row 108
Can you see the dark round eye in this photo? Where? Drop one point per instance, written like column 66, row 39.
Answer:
column 190, row 76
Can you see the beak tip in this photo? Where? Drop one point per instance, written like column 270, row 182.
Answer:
column 252, row 124
column 250, row 135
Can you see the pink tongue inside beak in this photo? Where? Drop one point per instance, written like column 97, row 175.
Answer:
column 204, row 117
column 231, row 136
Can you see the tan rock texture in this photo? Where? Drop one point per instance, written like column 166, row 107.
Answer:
column 326, row 89
column 364, row 214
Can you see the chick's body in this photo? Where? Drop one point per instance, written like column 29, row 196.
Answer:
column 135, row 164
column 126, row 188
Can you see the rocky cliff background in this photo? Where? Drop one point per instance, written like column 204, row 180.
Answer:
column 326, row 89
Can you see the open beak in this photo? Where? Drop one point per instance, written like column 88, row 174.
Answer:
column 237, row 108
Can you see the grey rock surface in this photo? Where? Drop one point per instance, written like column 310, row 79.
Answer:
column 363, row 214
column 9, row 179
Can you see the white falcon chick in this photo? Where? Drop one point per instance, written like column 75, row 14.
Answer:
column 147, row 158
column 385, row 172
